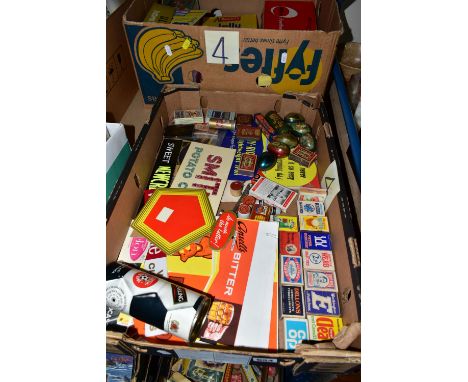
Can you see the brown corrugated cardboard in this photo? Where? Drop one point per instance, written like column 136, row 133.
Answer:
column 183, row 54
column 132, row 192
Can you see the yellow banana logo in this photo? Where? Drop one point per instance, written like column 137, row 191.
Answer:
column 159, row 51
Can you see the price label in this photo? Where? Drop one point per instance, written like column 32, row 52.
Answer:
column 222, row 47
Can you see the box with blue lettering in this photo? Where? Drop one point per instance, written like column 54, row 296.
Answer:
column 284, row 291
column 233, row 50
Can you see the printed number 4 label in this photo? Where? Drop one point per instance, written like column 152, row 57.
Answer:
column 222, row 47
column 295, row 337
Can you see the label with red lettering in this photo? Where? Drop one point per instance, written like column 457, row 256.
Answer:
column 144, row 280
column 292, row 301
column 291, row 267
column 223, row 230
column 318, row 260
column 321, row 280
column 322, row 328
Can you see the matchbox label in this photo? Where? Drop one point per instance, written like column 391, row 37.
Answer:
column 291, row 270
column 179, row 295
column 315, row 240
column 321, row 303
column 289, row 243
column 324, row 328
column 318, row 260
column 310, row 208
column 144, row 280
column 295, row 331
column 321, row 280
column 292, row 301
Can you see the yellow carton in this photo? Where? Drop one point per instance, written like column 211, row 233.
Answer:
column 160, row 14
column 243, row 21
column 323, row 328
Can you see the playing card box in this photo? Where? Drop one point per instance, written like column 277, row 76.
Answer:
column 321, row 280
column 321, row 303
column 322, row 328
column 292, row 301
column 291, row 270
column 318, row 260
column 314, row 223
column 315, row 240
column 289, row 243
column 310, row 208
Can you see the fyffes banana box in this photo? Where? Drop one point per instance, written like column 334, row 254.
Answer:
column 242, row 21
column 322, row 328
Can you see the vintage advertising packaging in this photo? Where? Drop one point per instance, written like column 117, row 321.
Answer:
column 155, row 301
column 160, row 13
column 286, row 223
column 231, row 58
column 205, row 167
column 241, row 21
column 315, row 240
column 310, row 208
column 292, row 301
column 318, row 260
column 313, row 223
column 321, row 302
column 312, row 194
column 295, row 330
column 239, row 299
column 247, row 164
column 291, row 270
column 321, row 280
column 289, row 243
column 324, row 328
column 242, row 146
column 166, row 161
column 303, row 156
column 273, row 193
column 292, row 15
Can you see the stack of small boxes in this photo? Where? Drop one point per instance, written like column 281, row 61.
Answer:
column 309, row 290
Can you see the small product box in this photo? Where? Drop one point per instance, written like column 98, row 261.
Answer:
column 295, row 331
column 249, row 133
column 324, row 328
column 247, row 164
column 244, row 120
column 314, row 223
column 292, row 301
column 219, row 114
column 286, row 223
column 312, row 194
column 303, row 156
column 315, row 240
column 321, row 303
column 186, row 117
column 321, row 280
column 318, row 260
column 291, row 270
column 289, row 243
column 310, row 208
column 293, row 15
column 267, row 129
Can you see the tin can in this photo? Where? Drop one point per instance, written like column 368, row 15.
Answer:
column 218, row 123
column 155, row 301
column 275, row 120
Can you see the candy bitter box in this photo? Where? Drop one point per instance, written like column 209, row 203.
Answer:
column 339, row 233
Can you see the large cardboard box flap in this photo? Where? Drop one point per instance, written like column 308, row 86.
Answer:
column 278, row 60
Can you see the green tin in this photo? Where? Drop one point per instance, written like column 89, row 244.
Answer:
column 293, row 118
column 288, row 139
column 275, row 120
column 309, row 142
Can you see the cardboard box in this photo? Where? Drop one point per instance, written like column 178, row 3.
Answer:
column 231, row 58
column 342, row 234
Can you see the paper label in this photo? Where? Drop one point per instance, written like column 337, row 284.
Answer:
column 318, row 260
column 324, row 328
column 222, row 47
column 310, row 208
column 330, row 182
column 321, row 280
column 295, row 330
column 291, row 267
column 315, row 240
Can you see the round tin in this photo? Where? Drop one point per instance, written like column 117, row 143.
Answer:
column 308, row 141
column 156, row 301
column 243, row 211
column 266, row 161
column 292, row 118
column 275, row 120
column 249, row 200
column 280, row 149
column 300, row 129
column 236, row 188
column 288, row 139
column 218, row 123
